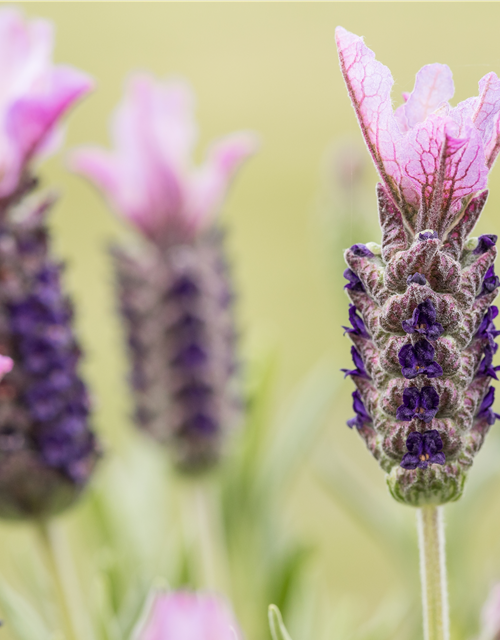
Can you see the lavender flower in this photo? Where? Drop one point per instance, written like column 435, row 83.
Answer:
column 189, row 616
column 358, row 326
column 426, row 295
column 362, row 416
column 174, row 295
column 421, row 404
column 418, row 360
column 359, row 365
column 47, row 450
column 423, row 449
column 423, row 321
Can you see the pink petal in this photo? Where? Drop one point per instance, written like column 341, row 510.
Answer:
column 433, row 86
column 210, row 183
column 369, row 84
column 487, row 113
column 6, row 365
column 190, row 616
column 442, row 167
column 31, row 118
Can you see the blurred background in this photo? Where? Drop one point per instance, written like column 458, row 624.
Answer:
column 308, row 194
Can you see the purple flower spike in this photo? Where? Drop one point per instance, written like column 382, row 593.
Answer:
column 354, row 283
column 416, row 278
column 358, row 363
column 484, row 243
column 485, row 410
column 490, row 282
column 487, row 329
column 486, row 367
column 362, row 416
column 423, row 449
column 361, row 250
column 358, row 326
column 421, row 404
column 427, row 235
column 423, row 321
column 418, row 360
column 433, row 158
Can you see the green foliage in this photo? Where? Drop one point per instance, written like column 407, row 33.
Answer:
column 278, row 629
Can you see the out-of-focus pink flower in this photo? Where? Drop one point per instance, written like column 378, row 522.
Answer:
column 490, row 616
column 189, row 616
column 431, row 157
column 149, row 177
column 34, row 94
column 6, row 365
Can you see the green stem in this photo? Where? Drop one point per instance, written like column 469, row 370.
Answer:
column 433, row 573
column 52, row 561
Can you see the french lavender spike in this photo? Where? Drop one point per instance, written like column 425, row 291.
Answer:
column 47, row 449
column 175, row 294
column 421, row 304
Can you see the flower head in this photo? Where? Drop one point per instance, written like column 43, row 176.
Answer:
column 429, row 279
column 149, row 178
column 34, row 94
column 189, row 616
column 423, row 449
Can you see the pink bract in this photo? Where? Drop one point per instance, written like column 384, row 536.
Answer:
column 6, row 365
column 149, row 177
column 189, row 616
column 34, row 94
column 431, row 157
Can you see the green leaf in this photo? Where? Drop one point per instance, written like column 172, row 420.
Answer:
column 300, row 425
column 21, row 618
column 278, row 629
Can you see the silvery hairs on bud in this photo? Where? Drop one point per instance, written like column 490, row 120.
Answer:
column 174, row 291
column 421, row 315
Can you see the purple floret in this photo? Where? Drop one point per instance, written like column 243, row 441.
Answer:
column 358, row 363
column 485, row 410
column 423, row 449
column 416, row 278
column 486, row 367
column 361, row 250
column 358, row 326
column 427, row 235
column 490, row 282
column 423, row 321
column 484, row 243
column 421, row 404
column 418, row 360
column 362, row 416
column 487, row 329
column 354, row 283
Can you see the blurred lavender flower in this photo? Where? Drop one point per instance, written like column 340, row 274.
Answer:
column 189, row 616
column 47, row 450
column 424, row 296
column 175, row 297
column 490, row 616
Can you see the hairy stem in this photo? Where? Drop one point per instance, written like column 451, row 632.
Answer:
column 53, row 564
column 430, row 526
